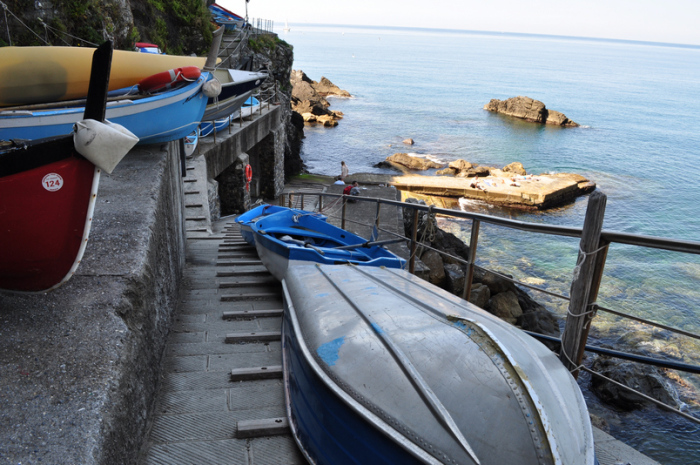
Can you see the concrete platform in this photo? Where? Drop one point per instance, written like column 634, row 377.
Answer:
column 529, row 192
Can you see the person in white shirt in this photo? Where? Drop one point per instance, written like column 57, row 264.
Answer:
column 343, row 170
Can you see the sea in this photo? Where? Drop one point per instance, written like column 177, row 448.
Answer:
column 638, row 140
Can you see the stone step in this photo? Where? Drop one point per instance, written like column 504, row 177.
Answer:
column 263, row 281
column 236, row 273
column 249, row 314
column 252, row 374
column 260, row 336
column 238, row 262
column 246, row 429
column 250, row 296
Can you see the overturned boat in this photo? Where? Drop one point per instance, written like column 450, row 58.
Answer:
column 382, row 367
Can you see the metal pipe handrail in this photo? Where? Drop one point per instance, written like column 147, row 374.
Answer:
column 673, row 245
column 686, row 367
column 624, row 238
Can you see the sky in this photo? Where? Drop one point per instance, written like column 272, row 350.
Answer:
column 671, row 21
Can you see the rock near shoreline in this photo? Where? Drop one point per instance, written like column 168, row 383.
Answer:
column 308, row 99
column 530, row 110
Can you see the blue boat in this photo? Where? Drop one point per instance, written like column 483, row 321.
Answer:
column 381, row 367
column 162, row 117
column 292, row 237
column 244, row 220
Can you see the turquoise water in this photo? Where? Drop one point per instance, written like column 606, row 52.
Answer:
column 639, row 142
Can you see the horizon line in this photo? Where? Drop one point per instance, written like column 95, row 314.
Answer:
column 533, row 34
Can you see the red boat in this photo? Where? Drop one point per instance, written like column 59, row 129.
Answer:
column 48, row 192
column 45, row 213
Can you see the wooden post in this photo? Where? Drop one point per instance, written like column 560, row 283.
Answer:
column 469, row 275
column 376, row 222
column 320, row 202
column 582, row 292
column 302, row 201
column 342, row 221
column 414, row 236
column 289, row 199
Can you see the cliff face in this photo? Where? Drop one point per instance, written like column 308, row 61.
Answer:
column 180, row 27
column 277, row 57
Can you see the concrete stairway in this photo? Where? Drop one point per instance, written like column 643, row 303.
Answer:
column 221, row 398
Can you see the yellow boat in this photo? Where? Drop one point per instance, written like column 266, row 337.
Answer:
column 48, row 74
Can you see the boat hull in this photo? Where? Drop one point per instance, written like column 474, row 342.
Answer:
column 312, row 240
column 160, row 118
column 440, row 378
column 47, row 74
column 45, row 214
column 244, row 220
column 308, row 394
column 236, row 87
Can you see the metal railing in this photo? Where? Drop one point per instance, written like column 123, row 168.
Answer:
column 595, row 244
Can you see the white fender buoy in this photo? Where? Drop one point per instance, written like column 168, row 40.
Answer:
column 103, row 144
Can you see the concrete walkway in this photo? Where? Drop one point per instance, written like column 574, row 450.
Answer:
column 221, row 399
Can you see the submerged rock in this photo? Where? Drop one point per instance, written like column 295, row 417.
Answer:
column 530, row 110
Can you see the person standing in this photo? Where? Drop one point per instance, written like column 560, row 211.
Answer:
column 343, row 170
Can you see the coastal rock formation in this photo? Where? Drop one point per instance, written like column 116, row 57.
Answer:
column 408, row 141
column 308, row 99
column 643, row 378
column 530, row 110
column 405, row 163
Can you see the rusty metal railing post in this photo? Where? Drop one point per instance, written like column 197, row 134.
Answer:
column 414, row 236
column 302, row 201
column 471, row 258
column 320, row 202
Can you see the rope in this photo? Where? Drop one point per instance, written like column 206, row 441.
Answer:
column 583, row 254
column 4, row 7
column 7, row 25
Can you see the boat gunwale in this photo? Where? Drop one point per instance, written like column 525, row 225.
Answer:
column 376, row 421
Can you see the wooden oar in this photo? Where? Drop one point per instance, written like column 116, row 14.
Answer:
column 369, row 244
column 302, row 243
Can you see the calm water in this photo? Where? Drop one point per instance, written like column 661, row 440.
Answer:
column 639, row 141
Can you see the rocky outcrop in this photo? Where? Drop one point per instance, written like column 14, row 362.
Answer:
column 308, row 99
column 406, row 163
column 643, row 378
column 530, row 110
column 490, row 291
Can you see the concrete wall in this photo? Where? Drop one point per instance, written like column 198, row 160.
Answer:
column 80, row 364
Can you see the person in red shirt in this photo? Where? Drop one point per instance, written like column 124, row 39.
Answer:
column 349, row 189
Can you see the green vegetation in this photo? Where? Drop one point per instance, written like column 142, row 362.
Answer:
column 265, row 43
column 176, row 26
